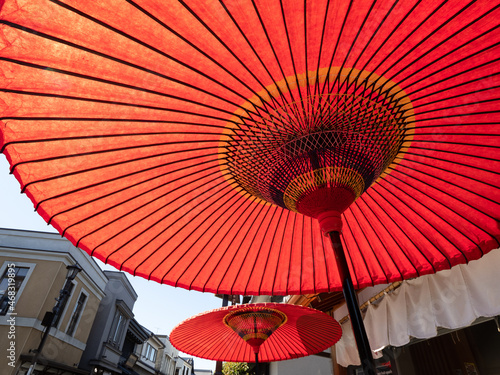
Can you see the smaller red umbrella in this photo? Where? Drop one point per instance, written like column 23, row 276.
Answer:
column 264, row 332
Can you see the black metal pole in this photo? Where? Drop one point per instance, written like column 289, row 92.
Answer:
column 56, row 310
column 351, row 298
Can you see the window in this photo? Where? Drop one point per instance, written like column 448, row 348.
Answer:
column 10, row 283
column 150, row 352
column 118, row 328
column 77, row 313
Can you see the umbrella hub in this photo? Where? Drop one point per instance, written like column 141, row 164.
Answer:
column 255, row 324
column 318, row 154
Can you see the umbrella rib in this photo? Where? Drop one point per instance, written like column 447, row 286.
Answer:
column 220, row 352
column 452, row 76
column 115, row 191
column 320, row 52
column 114, row 83
column 460, row 200
column 97, row 213
column 464, row 94
column 451, row 52
column 458, row 144
column 370, row 241
column 442, row 69
column 451, row 115
column 102, row 101
column 101, row 136
column 263, row 236
column 309, row 340
column 203, row 192
column 144, row 44
column 210, row 330
column 288, row 215
column 479, row 79
column 357, row 36
column 308, row 86
column 429, row 35
column 326, row 83
column 453, row 172
column 384, row 227
column 135, row 66
column 348, row 225
column 237, row 250
column 384, row 43
column 281, row 211
column 162, row 231
column 204, row 53
column 260, row 248
column 242, row 199
column 283, row 18
column 124, row 176
column 460, row 105
column 255, row 52
column 144, row 146
column 382, row 196
column 224, row 252
column 285, row 343
column 423, row 234
column 291, row 251
column 107, row 165
column 448, row 161
column 396, row 48
column 379, row 26
column 411, row 197
column 274, row 54
column 117, row 120
column 461, row 124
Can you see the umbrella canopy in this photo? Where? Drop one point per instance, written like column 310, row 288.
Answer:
column 229, row 333
column 207, row 144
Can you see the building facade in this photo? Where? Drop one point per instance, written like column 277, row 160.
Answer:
column 103, row 354
column 33, row 271
column 184, row 366
column 167, row 357
column 95, row 331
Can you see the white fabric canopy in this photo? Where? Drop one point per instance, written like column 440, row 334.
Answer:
column 450, row 299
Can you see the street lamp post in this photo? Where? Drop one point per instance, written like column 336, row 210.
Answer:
column 52, row 316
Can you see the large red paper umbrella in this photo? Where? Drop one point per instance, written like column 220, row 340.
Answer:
column 211, row 144
column 263, row 332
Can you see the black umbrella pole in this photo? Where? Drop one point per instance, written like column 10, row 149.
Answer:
column 351, row 298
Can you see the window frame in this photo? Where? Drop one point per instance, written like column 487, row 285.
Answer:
column 4, row 268
column 83, row 292
column 117, row 327
column 150, row 349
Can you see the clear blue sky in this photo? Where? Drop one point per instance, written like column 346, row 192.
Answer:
column 159, row 307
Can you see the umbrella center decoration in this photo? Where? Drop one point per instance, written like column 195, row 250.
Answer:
column 255, row 325
column 318, row 154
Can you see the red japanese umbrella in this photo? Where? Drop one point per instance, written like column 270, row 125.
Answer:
column 261, row 332
column 211, row 144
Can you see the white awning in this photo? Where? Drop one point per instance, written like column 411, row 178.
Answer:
column 450, row 299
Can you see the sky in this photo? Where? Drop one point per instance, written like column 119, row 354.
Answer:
column 159, row 308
